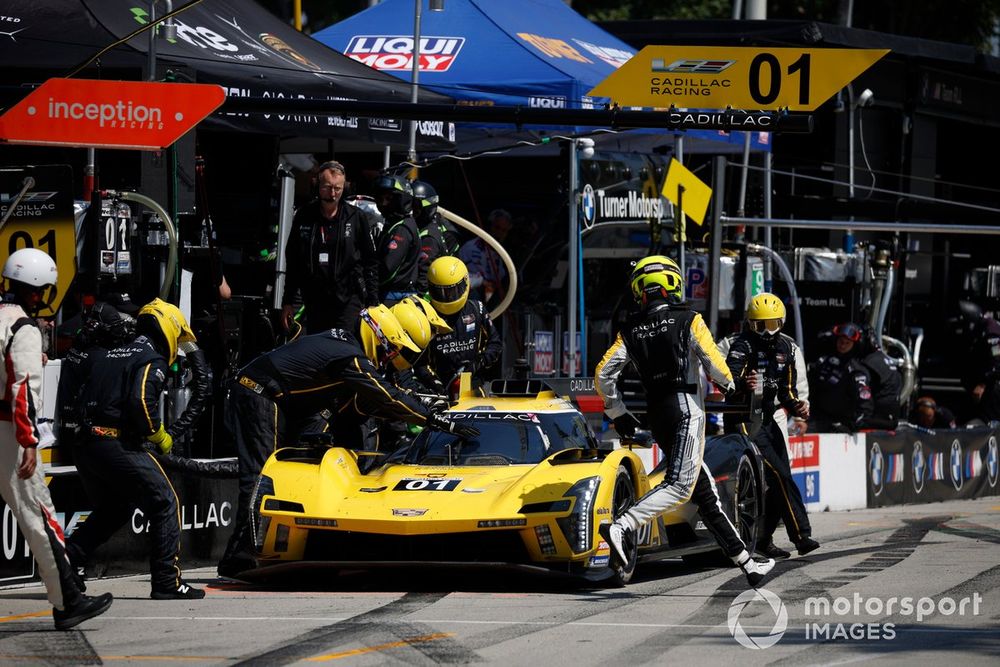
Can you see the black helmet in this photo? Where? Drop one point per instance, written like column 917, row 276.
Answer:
column 394, row 196
column 105, row 326
column 425, row 202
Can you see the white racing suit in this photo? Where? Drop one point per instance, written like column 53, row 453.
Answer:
column 667, row 345
column 29, row 499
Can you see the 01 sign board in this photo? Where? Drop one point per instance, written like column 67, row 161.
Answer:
column 140, row 115
column 748, row 78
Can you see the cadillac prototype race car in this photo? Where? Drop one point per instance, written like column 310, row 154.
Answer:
column 528, row 493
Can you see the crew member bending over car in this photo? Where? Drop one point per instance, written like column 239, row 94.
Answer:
column 762, row 358
column 666, row 342
column 279, row 392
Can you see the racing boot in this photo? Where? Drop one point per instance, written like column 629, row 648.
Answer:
column 806, row 545
column 184, row 591
column 85, row 607
column 754, row 569
column 616, row 537
column 772, row 551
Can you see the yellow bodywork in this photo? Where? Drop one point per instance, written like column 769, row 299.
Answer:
column 303, row 490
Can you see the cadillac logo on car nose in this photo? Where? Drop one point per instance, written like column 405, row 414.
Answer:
column 406, row 511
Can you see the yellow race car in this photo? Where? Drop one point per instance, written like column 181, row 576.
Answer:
column 528, row 493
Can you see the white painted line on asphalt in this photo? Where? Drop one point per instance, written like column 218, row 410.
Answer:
column 443, row 621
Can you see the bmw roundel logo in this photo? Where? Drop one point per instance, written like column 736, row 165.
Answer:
column 992, row 461
column 589, row 203
column 875, row 468
column 956, row 465
column 919, row 466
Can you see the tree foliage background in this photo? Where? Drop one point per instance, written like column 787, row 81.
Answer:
column 972, row 22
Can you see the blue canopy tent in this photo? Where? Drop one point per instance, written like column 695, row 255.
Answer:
column 534, row 53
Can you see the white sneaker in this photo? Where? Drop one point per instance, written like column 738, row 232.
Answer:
column 614, row 535
column 754, row 569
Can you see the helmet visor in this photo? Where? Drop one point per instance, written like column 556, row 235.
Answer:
column 449, row 293
column 849, row 330
column 768, row 326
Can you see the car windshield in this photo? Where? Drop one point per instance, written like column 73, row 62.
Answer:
column 504, row 438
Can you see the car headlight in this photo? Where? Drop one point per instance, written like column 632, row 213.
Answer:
column 260, row 524
column 578, row 527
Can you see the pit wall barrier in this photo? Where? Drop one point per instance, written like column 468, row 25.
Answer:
column 920, row 466
column 207, row 511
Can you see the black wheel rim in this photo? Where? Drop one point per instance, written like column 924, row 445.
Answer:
column 747, row 500
column 623, row 496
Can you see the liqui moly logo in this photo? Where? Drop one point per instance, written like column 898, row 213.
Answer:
column 390, row 53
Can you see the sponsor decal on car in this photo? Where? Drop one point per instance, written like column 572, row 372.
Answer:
column 407, row 511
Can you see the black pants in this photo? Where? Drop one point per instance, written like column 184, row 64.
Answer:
column 782, row 500
column 706, row 497
column 257, row 424
column 116, row 477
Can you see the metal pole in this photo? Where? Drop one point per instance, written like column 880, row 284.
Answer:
column 297, row 9
column 892, row 226
column 768, row 164
column 849, row 235
column 715, row 256
column 573, row 259
column 386, row 157
column 681, row 248
column 151, row 51
column 414, row 87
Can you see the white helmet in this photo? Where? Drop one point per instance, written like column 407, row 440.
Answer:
column 31, row 266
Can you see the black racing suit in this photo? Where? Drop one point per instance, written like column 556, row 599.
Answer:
column 332, row 266
column 886, row 384
column 840, row 392
column 774, row 358
column 279, row 393
column 73, row 372
column 434, row 239
column 120, row 408
column 402, row 267
column 667, row 346
column 473, row 345
column 983, row 368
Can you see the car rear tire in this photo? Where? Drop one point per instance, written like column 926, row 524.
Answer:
column 747, row 502
column 622, row 498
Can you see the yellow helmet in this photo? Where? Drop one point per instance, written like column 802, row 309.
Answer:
column 383, row 337
column 417, row 326
column 170, row 321
column 766, row 314
column 437, row 322
column 657, row 274
column 448, row 280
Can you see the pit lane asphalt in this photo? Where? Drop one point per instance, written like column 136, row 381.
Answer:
column 671, row 613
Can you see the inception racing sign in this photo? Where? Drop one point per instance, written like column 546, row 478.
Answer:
column 143, row 115
column 393, row 53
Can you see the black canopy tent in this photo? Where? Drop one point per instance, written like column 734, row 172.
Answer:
column 234, row 43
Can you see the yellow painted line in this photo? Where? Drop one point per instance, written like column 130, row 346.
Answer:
column 995, row 508
column 18, row 617
column 380, row 647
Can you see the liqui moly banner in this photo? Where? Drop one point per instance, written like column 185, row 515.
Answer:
column 390, row 53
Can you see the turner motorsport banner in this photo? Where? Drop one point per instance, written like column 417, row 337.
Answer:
column 919, row 466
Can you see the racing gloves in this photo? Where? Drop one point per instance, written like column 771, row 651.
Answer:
column 625, row 425
column 440, row 421
column 162, row 440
